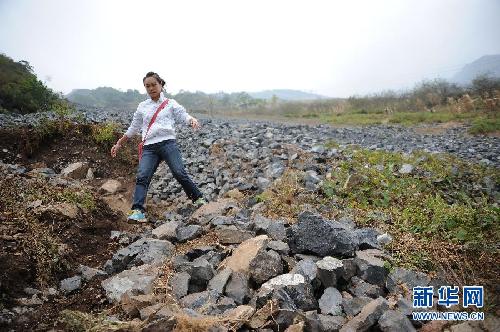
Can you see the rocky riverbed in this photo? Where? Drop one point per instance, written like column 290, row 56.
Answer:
column 454, row 139
column 226, row 266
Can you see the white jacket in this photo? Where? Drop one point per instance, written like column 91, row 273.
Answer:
column 163, row 127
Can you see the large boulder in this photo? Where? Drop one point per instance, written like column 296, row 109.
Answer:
column 314, row 234
column 136, row 281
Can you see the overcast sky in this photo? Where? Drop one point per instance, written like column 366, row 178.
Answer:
column 334, row 48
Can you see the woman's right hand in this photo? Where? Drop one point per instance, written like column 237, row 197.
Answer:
column 114, row 149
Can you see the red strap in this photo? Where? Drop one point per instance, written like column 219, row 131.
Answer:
column 165, row 102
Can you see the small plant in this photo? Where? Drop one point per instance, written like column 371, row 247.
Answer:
column 62, row 109
column 82, row 199
column 105, row 134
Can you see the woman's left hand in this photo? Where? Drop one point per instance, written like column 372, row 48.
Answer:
column 194, row 123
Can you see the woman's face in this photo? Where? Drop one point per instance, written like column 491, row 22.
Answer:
column 152, row 87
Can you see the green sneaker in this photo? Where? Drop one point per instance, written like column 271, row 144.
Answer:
column 136, row 216
column 200, row 202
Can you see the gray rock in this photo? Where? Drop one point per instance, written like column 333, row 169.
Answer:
column 312, row 177
column 402, row 276
column 167, row 231
column 69, row 285
column 199, row 251
column 353, row 306
column 218, row 283
column 111, row 186
column 405, row 306
column 237, row 288
column 371, row 266
column 330, row 302
column 274, row 170
column 142, row 251
column 307, row 268
column 200, row 300
column 318, row 149
column 367, row 238
column 274, row 228
column 186, row 233
column 406, row 169
column 329, row 271
column 279, row 246
column 266, row 265
column 31, row 291
column 310, row 257
column 222, row 221
column 180, row 284
column 136, row 281
column 394, row 321
column 76, row 170
column 232, row 235
column 384, row 239
column 350, row 269
column 201, row 272
column 262, row 183
column 322, row 237
column 223, row 304
column 368, row 316
column 362, row 288
column 89, row 273
column 322, row 323
column 292, row 291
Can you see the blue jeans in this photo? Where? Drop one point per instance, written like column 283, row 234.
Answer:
column 152, row 155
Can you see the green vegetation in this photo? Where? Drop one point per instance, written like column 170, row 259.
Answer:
column 20, row 90
column 484, row 125
column 105, row 134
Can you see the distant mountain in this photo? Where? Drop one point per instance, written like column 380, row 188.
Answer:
column 286, row 94
column 488, row 64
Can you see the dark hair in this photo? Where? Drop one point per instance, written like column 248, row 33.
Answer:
column 155, row 75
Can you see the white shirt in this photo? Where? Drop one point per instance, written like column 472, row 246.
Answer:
column 164, row 126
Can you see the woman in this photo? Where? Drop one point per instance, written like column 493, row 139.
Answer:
column 159, row 144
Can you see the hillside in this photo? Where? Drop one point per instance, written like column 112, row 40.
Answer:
column 106, row 97
column 485, row 65
column 20, row 89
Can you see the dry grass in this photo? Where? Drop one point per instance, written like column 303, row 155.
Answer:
column 286, row 197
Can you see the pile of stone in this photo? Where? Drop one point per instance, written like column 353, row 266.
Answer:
column 264, row 275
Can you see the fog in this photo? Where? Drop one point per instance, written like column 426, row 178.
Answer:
column 333, row 48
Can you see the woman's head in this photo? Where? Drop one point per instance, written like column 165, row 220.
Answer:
column 154, row 84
